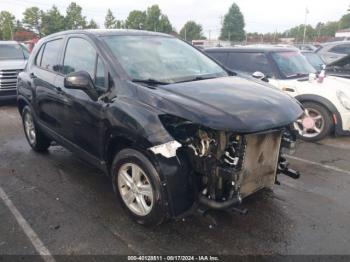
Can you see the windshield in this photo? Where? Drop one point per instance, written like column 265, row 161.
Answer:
column 314, row 60
column 292, row 64
column 10, row 52
column 161, row 58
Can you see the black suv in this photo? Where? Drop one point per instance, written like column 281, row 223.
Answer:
column 169, row 125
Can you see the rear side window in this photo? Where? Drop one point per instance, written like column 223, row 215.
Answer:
column 341, row 49
column 219, row 56
column 39, row 56
column 49, row 60
column 80, row 56
column 250, row 63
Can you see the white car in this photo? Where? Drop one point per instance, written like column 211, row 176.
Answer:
column 326, row 103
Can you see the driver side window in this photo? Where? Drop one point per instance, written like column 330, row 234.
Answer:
column 80, row 55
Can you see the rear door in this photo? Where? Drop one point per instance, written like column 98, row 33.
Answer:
column 48, row 104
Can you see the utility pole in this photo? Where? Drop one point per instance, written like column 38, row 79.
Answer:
column 306, row 13
column 185, row 33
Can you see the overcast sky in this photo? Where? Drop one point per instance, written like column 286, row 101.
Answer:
column 260, row 15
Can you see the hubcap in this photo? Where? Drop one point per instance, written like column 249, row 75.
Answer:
column 29, row 128
column 135, row 189
column 311, row 124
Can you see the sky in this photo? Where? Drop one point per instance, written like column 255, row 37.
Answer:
column 260, row 16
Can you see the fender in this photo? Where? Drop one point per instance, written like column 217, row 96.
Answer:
column 338, row 122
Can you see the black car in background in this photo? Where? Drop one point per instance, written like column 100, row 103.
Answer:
column 339, row 68
column 169, row 125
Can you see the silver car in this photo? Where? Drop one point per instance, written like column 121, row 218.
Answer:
column 13, row 58
column 333, row 51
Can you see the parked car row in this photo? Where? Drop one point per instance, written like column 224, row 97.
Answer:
column 326, row 103
column 13, row 57
column 171, row 127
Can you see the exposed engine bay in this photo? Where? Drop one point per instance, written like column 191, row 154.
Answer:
column 229, row 167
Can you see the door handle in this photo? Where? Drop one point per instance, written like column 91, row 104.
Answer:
column 59, row 90
column 32, row 75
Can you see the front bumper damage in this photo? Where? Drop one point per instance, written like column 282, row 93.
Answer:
column 228, row 167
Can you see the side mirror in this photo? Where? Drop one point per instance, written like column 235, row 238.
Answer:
column 81, row 80
column 260, row 75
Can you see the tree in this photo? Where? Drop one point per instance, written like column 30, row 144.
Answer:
column 191, row 31
column 52, row 21
column 74, row 18
column 7, row 21
column 344, row 22
column 297, row 32
column 136, row 20
column 110, row 21
column 156, row 21
column 32, row 18
column 92, row 24
column 233, row 25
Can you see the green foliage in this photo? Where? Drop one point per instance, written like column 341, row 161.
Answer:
column 156, row 21
column 32, row 17
column 92, row 24
column 136, row 20
column 7, row 22
column 74, row 18
column 233, row 25
column 52, row 21
column 110, row 21
column 344, row 22
column 191, row 31
column 297, row 32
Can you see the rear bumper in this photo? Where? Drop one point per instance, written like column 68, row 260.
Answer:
column 8, row 94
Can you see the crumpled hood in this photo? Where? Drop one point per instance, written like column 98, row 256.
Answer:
column 227, row 104
column 17, row 64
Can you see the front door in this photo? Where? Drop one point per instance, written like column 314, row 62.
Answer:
column 84, row 125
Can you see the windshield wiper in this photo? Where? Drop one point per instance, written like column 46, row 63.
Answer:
column 197, row 78
column 297, row 75
column 150, row 81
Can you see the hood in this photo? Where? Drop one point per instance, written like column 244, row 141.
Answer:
column 329, row 82
column 228, row 104
column 12, row 64
column 340, row 62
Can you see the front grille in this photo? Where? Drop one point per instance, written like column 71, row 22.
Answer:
column 260, row 162
column 8, row 79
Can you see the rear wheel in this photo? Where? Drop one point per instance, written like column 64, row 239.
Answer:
column 35, row 137
column 315, row 124
column 137, row 185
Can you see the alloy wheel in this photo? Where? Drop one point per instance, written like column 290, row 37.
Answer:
column 311, row 124
column 29, row 128
column 135, row 189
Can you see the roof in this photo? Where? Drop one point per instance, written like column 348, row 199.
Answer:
column 252, row 48
column 8, row 43
column 346, row 30
column 106, row 32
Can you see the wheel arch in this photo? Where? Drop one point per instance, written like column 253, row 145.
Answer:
column 22, row 102
column 327, row 104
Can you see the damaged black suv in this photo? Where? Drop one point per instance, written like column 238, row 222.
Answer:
column 171, row 127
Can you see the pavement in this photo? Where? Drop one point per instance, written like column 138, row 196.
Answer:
column 71, row 209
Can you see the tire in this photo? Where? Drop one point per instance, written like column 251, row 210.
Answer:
column 153, row 211
column 35, row 137
column 322, row 126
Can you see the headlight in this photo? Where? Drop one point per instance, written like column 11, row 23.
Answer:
column 344, row 99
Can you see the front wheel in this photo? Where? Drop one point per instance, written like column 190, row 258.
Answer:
column 315, row 124
column 137, row 185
